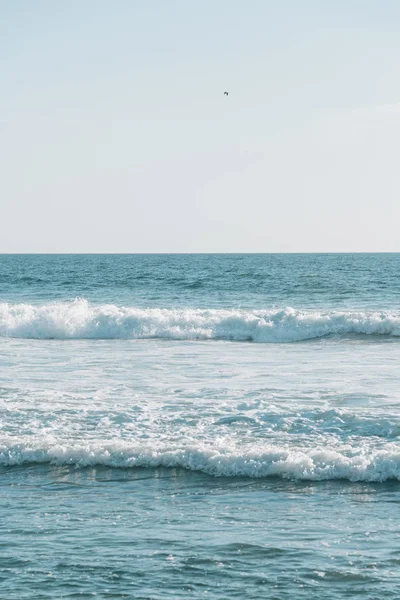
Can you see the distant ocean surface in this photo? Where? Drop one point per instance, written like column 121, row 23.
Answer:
column 200, row 426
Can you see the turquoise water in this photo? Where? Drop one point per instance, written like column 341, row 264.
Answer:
column 217, row 426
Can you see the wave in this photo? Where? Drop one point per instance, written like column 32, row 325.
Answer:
column 81, row 320
column 316, row 464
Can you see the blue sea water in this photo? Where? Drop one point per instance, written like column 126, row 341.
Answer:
column 200, row 426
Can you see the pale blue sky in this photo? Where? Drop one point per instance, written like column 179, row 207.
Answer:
column 115, row 135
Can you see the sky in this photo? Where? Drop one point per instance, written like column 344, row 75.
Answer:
column 116, row 135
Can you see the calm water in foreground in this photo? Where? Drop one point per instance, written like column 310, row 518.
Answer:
column 200, row 426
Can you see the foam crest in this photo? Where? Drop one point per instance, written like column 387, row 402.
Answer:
column 320, row 463
column 81, row 320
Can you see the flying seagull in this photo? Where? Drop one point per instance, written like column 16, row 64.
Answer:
column 226, row 93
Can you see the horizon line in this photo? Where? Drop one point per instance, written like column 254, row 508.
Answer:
column 196, row 253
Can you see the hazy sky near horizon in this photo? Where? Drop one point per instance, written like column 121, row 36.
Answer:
column 115, row 134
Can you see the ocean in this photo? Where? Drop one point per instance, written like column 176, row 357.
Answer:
column 200, row 426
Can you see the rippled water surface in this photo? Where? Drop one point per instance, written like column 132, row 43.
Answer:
column 222, row 426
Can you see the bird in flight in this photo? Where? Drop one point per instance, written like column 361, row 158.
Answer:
column 226, row 93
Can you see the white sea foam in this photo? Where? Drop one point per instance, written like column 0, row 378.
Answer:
column 80, row 319
column 320, row 463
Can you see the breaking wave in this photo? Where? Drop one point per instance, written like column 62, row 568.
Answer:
column 81, row 320
column 269, row 461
